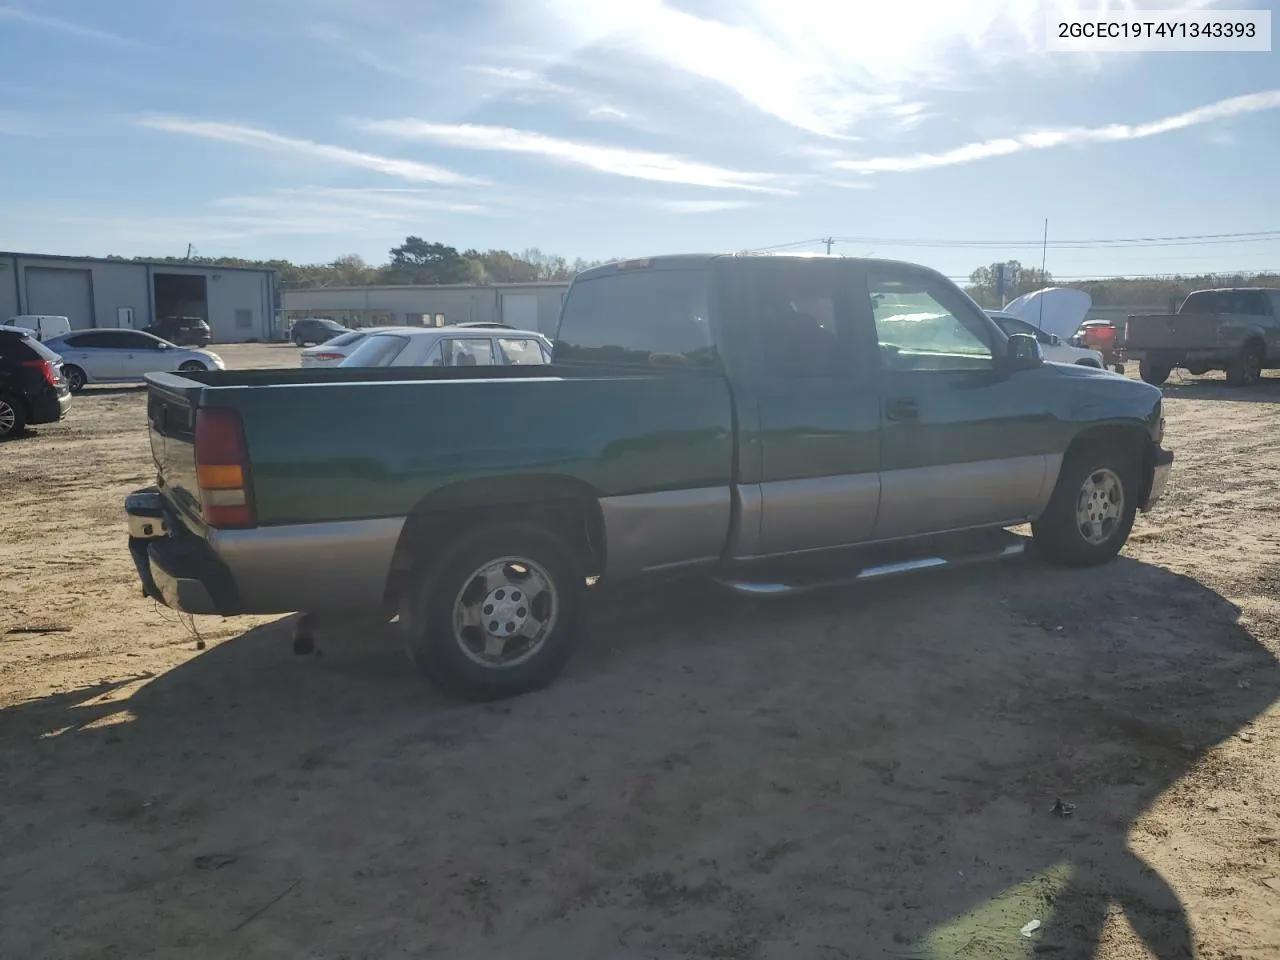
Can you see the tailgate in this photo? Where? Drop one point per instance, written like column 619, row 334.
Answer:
column 1187, row 331
column 171, row 419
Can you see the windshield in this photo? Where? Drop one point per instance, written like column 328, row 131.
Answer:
column 379, row 350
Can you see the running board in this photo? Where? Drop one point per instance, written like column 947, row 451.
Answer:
column 754, row 588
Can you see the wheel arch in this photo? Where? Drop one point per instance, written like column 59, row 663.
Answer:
column 565, row 505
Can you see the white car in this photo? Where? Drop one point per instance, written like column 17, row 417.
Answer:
column 451, row 347
column 124, row 356
column 1053, row 347
column 333, row 352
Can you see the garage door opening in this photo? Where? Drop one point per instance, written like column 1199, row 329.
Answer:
column 181, row 295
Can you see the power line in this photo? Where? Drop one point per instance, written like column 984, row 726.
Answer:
column 1259, row 236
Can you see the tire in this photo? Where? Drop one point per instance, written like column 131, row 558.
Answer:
column 75, row 377
column 193, row 366
column 1247, row 369
column 297, row 341
column 13, row 417
column 472, row 575
column 1197, row 370
column 1062, row 533
column 1154, row 373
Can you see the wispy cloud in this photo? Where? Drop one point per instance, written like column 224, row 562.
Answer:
column 816, row 65
column 1068, row 136
column 65, row 26
column 351, row 212
column 620, row 161
column 266, row 140
column 703, row 206
column 520, row 83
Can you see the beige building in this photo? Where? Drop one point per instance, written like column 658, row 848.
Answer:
column 526, row 306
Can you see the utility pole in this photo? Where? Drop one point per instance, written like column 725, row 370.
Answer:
column 829, row 241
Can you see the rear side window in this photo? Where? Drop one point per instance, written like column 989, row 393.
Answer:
column 469, row 353
column 521, row 352
column 649, row 318
column 1251, row 303
column 377, row 351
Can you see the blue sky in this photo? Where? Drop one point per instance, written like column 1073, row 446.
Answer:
column 309, row 129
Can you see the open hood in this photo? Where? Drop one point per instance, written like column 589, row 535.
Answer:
column 1057, row 310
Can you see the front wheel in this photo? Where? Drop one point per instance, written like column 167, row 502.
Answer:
column 1247, row 370
column 497, row 614
column 75, row 378
column 1092, row 508
column 1198, row 370
column 193, row 366
column 13, row 418
column 1154, row 373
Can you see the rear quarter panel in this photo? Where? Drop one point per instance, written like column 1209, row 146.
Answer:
column 326, row 452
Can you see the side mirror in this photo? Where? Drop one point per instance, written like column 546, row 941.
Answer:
column 1022, row 353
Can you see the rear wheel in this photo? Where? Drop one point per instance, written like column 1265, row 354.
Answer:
column 1154, row 373
column 1092, row 508
column 497, row 614
column 297, row 340
column 1198, row 370
column 75, row 378
column 1247, row 370
column 13, row 416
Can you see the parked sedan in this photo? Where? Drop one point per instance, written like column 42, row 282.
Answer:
column 124, row 356
column 32, row 388
column 450, row 347
column 333, row 352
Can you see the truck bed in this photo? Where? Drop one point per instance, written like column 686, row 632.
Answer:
column 327, row 445
column 1187, row 331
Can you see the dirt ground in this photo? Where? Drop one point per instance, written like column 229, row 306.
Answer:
column 864, row 773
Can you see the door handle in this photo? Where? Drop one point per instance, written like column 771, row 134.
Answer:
column 902, row 408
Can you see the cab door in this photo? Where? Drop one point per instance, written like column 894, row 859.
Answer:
column 964, row 443
column 815, row 448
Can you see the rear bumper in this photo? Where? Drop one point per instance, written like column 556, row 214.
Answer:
column 174, row 565
column 49, row 406
column 1161, row 468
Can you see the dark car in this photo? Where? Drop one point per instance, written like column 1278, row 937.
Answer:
column 183, row 331
column 32, row 388
column 314, row 330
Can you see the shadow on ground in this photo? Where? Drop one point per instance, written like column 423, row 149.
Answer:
column 858, row 774
column 1183, row 386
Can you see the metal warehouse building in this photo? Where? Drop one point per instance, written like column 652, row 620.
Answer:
column 238, row 303
column 527, row 306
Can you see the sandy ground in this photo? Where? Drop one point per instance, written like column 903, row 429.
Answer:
column 867, row 773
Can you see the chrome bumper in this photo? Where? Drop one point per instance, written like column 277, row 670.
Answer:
column 1159, row 477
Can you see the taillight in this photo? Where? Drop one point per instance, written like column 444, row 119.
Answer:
column 46, row 368
column 222, row 469
column 328, row 356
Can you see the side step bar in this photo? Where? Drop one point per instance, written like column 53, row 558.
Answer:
column 758, row 588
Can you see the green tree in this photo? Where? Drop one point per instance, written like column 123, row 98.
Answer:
column 417, row 261
column 1018, row 280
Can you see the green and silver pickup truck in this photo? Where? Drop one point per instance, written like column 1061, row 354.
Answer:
column 777, row 423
